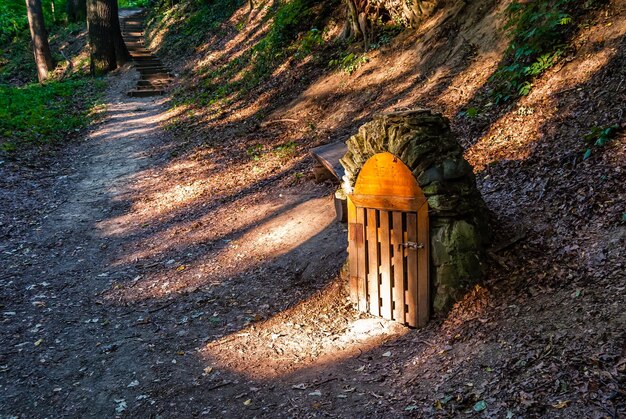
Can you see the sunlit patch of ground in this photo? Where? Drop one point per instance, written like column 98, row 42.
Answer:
column 515, row 134
column 321, row 330
column 237, row 238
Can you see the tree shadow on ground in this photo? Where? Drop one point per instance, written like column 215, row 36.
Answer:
column 179, row 342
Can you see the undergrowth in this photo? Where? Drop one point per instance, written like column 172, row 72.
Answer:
column 539, row 32
column 13, row 21
column 292, row 33
column 189, row 23
column 17, row 65
column 133, row 3
column 46, row 113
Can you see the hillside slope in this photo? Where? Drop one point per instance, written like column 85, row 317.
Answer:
column 181, row 261
column 545, row 334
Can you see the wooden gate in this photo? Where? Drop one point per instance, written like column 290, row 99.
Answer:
column 388, row 242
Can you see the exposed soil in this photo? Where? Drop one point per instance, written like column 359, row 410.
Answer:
column 150, row 273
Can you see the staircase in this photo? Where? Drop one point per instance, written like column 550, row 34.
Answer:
column 154, row 76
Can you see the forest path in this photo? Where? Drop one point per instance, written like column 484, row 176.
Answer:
column 58, row 337
column 104, row 312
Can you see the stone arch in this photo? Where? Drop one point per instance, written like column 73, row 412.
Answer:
column 458, row 223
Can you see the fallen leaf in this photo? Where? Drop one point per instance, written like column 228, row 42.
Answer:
column 561, row 404
column 480, row 406
column 120, row 405
column 38, row 342
column 247, row 402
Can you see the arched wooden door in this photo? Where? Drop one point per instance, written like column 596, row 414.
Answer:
column 388, row 242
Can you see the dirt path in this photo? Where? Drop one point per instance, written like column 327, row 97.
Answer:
column 67, row 352
column 101, row 316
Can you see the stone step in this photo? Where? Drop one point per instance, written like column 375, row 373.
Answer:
column 155, row 84
column 149, row 62
column 140, row 65
column 153, row 70
column 146, row 92
column 154, row 76
column 157, row 76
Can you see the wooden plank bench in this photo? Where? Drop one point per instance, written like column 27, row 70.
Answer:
column 328, row 156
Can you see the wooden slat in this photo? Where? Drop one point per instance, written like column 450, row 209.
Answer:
column 423, row 261
column 389, row 203
column 328, row 155
column 385, row 266
column 398, row 267
column 373, row 262
column 411, row 268
column 361, row 263
column 353, row 254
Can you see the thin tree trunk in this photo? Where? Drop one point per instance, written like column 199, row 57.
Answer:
column 39, row 36
column 105, row 37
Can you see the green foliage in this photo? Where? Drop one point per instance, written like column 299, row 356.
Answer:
column 133, row 3
column 599, row 137
column 538, row 31
column 17, row 65
column 190, row 22
column 470, row 112
column 286, row 149
column 386, row 34
column 348, row 62
column 311, row 40
column 37, row 114
column 282, row 151
column 283, row 40
column 13, row 21
column 255, row 151
column 288, row 22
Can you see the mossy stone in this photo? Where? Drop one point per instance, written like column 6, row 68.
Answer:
column 464, row 236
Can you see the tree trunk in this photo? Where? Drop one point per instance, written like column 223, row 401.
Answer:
column 105, row 37
column 122, row 55
column 39, row 36
column 357, row 25
column 76, row 10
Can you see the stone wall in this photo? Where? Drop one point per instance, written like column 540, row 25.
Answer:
column 458, row 216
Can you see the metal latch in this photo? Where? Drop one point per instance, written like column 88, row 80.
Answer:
column 411, row 245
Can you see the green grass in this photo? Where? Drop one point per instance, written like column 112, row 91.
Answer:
column 39, row 114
